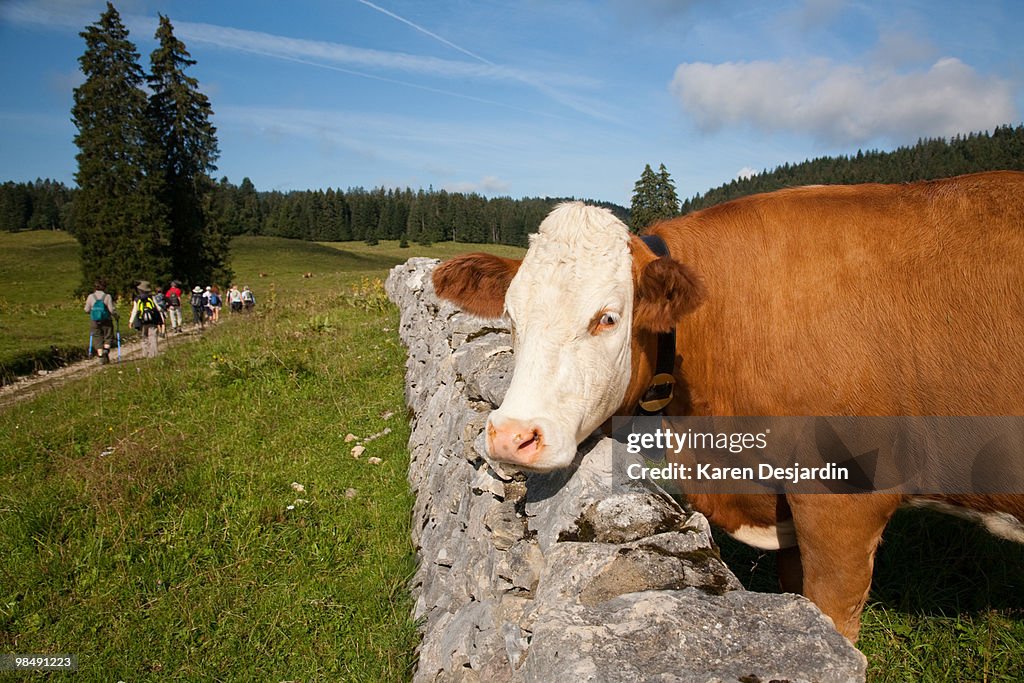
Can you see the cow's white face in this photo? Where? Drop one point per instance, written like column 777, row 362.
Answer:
column 573, row 303
column 571, row 308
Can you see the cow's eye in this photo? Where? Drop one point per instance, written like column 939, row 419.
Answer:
column 603, row 321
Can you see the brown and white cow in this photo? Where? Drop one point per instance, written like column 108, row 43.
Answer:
column 828, row 300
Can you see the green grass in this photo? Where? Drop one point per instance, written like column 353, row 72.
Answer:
column 39, row 272
column 148, row 521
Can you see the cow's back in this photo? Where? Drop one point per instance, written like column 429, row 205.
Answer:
column 869, row 299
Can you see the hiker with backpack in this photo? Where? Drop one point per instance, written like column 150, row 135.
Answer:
column 198, row 306
column 215, row 303
column 235, row 299
column 161, row 305
column 146, row 318
column 248, row 299
column 102, row 313
column 173, row 300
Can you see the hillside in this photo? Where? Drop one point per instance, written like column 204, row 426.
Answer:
column 42, row 325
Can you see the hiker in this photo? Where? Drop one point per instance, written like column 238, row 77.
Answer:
column 248, row 299
column 215, row 303
column 161, row 305
column 207, row 308
column 146, row 318
column 198, row 307
column 102, row 313
column 234, row 299
column 173, row 299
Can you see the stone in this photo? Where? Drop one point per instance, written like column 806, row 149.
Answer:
column 688, row 635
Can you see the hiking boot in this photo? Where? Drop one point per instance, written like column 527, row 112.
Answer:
column 104, row 359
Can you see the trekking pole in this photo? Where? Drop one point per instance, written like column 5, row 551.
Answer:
column 118, row 333
column 89, row 355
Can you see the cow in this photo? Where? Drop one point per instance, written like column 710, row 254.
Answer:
column 821, row 300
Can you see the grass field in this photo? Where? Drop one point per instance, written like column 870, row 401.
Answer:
column 199, row 516
column 39, row 271
column 42, row 324
column 149, row 523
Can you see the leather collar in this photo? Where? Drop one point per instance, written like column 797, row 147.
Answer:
column 659, row 393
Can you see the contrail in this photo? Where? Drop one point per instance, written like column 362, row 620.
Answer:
column 426, row 32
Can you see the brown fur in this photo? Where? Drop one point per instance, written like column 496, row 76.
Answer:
column 477, row 281
column 858, row 300
column 665, row 290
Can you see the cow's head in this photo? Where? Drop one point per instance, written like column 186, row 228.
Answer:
column 580, row 303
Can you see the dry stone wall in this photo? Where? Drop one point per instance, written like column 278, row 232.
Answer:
column 567, row 576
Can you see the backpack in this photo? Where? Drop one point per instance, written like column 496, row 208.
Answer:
column 214, row 299
column 197, row 299
column 173, row 301
column 99, row 311
column 148, row 313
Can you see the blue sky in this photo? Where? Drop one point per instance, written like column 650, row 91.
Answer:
column 533, row 97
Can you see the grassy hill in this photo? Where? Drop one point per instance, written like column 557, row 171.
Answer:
column 199, row 516
column 43, row 326
column 39, row 272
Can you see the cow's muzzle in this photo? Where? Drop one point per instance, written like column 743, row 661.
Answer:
column 535, row 444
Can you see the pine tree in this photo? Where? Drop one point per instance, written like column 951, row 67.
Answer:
column 668, row 200
column 643, row 208
column 654, row 198
column 187, row 140
column 119, row 218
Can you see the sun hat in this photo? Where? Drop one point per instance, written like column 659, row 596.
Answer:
column 197, row 290
column 144, row 287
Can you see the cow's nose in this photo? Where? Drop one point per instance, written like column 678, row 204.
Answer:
column 516, row 442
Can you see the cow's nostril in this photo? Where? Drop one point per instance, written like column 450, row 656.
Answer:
column 533, row 441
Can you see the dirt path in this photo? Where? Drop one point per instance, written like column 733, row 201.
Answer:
column 26, row 387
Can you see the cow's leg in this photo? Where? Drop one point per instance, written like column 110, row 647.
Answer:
column 838, row 536
column 787, row 560
column 791, row 574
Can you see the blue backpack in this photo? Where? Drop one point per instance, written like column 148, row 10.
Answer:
column 99, row 311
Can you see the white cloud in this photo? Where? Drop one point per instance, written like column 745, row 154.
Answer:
column 843, row 104
column 746, row 172
column 358, row 61
column 902, row 49
column 489, row 185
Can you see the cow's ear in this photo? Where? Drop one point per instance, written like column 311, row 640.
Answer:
column 666, row 290
column 476, row 283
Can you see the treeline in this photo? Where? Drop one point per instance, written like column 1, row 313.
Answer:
column 427, row 216
column 1002, row 149
column 423, row 216
column 40, row 205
